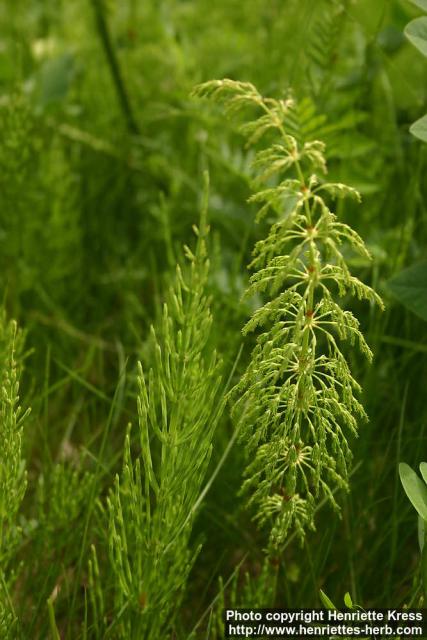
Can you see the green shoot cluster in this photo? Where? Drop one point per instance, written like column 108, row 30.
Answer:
column 153, row 503
column 13, row 480
column 296, row 403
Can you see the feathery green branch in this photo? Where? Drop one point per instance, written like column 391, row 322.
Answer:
column 297, row 401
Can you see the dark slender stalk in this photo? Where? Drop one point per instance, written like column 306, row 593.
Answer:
column 113, row 63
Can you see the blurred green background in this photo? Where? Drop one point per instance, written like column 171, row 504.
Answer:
column 102, row 152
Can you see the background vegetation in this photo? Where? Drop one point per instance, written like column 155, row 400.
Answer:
column 103, row 155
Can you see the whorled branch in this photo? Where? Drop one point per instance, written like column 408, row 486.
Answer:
column 297, row 401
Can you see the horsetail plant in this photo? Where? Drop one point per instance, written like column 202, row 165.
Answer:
column 296, row 403
column 152, row 505
column 12, row 468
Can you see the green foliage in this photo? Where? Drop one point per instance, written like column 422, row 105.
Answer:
column 37, row 208
column 296, row 402
column 410, row 288
column 243, row 591
column 60, row 498
column 13, row 479
column 421, row 4
column 154, row 500
column 54, row 80
column 12, row 472
column 419, row 129
column 416, row 490
column 325, row 43
column 9, row 627
column 100, row 155
column 327, row 602
column 416, row 32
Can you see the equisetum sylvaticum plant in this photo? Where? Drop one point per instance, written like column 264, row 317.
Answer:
column 296, row 403
column 151, row 508
column 12, row 469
